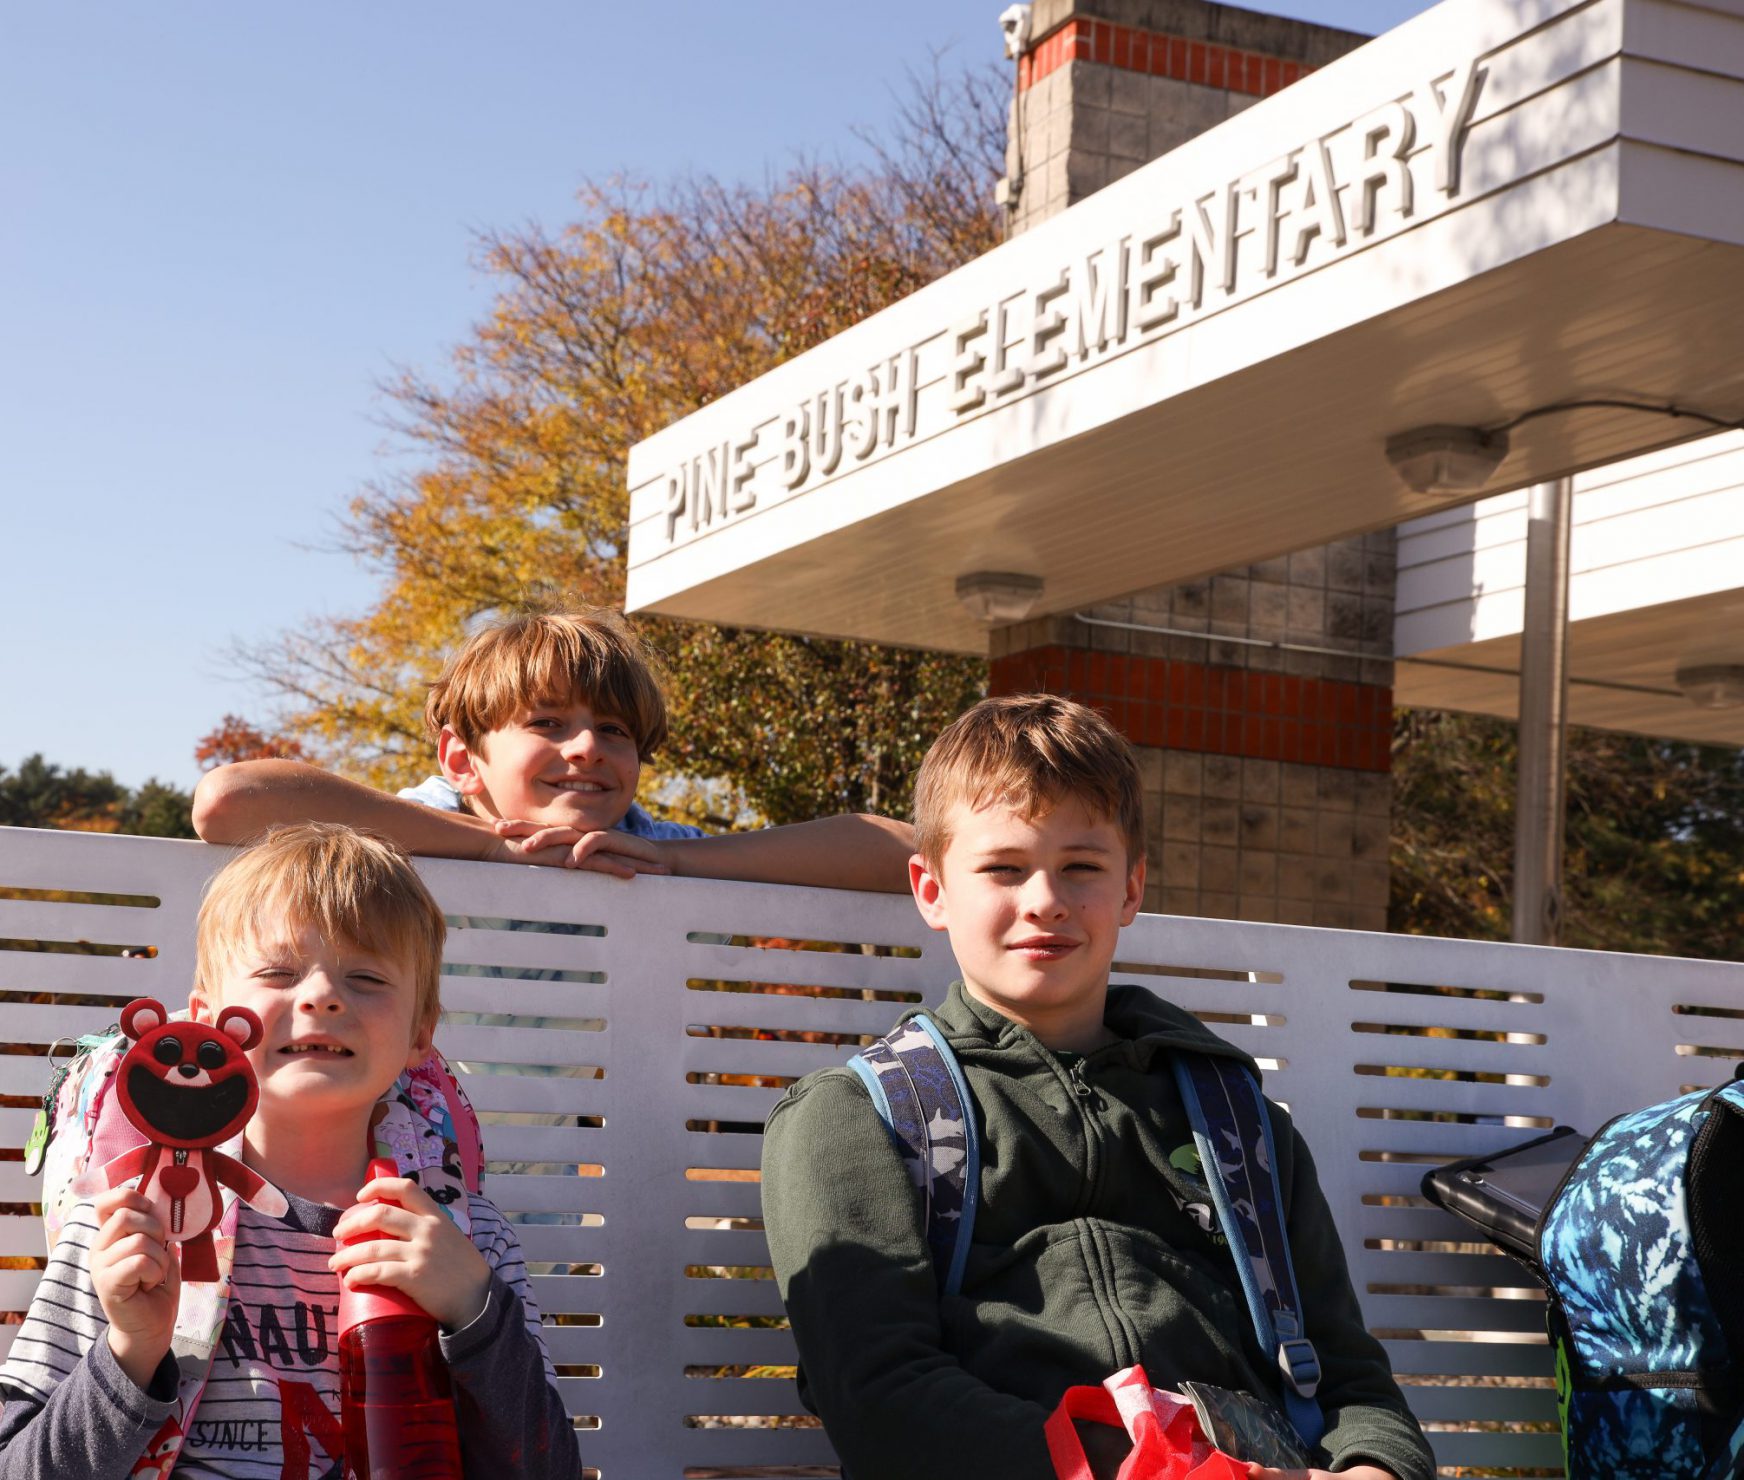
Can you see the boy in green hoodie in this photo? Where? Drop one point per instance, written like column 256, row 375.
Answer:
column 1095, row 1246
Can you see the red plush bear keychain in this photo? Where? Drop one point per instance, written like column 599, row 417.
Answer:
column 186, row 1087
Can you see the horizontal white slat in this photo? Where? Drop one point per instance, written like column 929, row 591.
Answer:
column 117, row 977
column 531, row 1093
column 520, row 1045
column 23, row 1074
column 47, row 920
column 522, row 999
column 16, row 1287
column 758, row 1056
column 17, row 1185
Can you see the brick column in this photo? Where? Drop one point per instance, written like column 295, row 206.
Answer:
column 1266, row 768
column 1108, row 85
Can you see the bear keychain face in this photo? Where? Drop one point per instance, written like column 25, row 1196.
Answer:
column 188, row 1084
column 186, row 1087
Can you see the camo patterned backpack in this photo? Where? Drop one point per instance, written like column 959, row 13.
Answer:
column 1641, row 1253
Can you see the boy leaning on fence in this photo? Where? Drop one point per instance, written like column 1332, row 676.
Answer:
column 1094, row 1246
column 542, row 723
column 120, row 1367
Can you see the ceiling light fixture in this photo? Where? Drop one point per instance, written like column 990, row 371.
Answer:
column 1446, row 459
column 999, row 597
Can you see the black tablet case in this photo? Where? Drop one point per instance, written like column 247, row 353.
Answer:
column 1505, row 1194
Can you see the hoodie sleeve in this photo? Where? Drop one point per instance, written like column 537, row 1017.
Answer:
column 1367, row 1420
column 845, row 1236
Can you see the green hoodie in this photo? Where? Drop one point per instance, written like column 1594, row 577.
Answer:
column 1093, row 1249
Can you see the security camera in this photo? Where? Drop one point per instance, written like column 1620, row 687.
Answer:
column 1014, row 22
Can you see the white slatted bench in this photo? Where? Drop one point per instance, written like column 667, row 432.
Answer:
column 661, row 1315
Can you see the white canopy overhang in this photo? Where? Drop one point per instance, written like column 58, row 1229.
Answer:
column 1656, row 587
column 1499, row 206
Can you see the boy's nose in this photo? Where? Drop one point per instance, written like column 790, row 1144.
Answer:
column 584, row 742
column 1042, row 900
column 317, row 993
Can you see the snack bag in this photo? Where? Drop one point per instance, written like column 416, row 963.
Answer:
column 1175, row 1436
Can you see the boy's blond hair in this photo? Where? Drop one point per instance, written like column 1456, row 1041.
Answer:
column 535, row 657
column 350, row 886
column 1029, row 751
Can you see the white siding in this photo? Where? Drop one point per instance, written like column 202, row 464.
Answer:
column 1656, row 529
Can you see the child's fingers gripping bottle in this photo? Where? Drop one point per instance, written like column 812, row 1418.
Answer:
column 396, row 1405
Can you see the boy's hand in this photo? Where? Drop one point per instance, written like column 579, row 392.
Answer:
column 137, row 1279
column 1356, row 1472
column 420, row 1252
column 621, row 854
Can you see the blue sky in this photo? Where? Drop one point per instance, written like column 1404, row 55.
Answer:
column 225, row 224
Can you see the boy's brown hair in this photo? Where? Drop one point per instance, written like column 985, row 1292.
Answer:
column 1028, row 750
column 534, row 657
column 348, row 885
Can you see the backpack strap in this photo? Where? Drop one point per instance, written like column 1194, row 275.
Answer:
column 1233, row 1132
column 918, row 1090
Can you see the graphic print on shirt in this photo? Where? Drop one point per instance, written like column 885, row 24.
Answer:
column 1185, row 1160
column 273, row 1387
column 160, row 1454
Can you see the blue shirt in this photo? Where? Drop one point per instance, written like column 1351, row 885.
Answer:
column 439, row 792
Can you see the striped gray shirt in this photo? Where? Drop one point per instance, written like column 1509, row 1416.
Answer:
column 273, row 1391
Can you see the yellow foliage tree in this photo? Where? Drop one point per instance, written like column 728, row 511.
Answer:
column 652, row 304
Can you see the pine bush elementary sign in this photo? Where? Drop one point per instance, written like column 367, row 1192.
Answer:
column 1499, row 207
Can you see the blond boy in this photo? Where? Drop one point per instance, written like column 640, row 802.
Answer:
column 1094, row 1248
column 331, row 939
column 542, row 723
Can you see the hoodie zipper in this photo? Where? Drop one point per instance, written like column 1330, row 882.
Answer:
column 1122, row 1335
column 1089, row 1103
column 1083, row 1089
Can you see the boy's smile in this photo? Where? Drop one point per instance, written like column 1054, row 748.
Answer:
column 557, row 763
column 1034, row 908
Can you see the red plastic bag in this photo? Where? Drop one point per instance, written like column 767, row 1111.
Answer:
column 1167, row 1443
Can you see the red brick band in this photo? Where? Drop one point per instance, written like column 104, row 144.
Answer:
column 1223, row 711
column 1206, row 63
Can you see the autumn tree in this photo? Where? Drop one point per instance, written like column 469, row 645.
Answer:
column 1654, row 846
column 236, row 739
column 650, row 305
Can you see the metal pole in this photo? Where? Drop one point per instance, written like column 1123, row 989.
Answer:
column 1543, row 740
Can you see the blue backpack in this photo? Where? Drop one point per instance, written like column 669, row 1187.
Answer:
column 1634, row 1235
column 919, row 1091
column 1640, row 1249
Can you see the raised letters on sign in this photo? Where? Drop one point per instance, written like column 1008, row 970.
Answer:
column 1333, row 195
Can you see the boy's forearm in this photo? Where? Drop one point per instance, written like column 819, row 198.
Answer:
column 235, row 803
column 96, row 1424
column 513, row 1418
column 855, row 850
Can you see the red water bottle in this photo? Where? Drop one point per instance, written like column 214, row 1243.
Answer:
column 396, row 1405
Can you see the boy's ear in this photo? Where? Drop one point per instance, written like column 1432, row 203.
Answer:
column 1135, row 881
column 199, row 1005
column 423, row 1040
column 929, row 892
column 455, row 757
